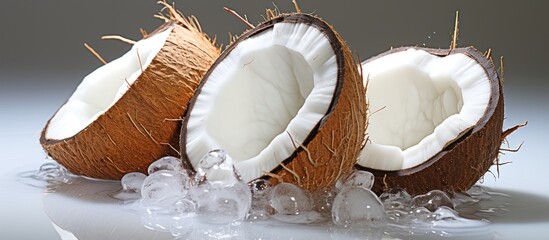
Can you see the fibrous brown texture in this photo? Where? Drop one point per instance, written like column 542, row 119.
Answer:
column 142, row 125
column 332, row 147
column 463, row 162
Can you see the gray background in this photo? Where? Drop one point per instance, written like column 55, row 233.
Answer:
column 42, row 54
column 42, row 60
column 46, row 37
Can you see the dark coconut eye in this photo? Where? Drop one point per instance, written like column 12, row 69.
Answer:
column 118, row 119
column 285, row 101
column 439, row 114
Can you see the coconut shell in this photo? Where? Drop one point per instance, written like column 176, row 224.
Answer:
column 334, row 144
column 142, row 125
column 464, row 161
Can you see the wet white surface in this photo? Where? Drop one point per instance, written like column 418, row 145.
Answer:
column 79, row 211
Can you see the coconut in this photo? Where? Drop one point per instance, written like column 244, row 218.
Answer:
column 123, row 115
column 437, row 118
column 285, row 101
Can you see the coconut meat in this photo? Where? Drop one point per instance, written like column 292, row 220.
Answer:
column 102, row 88
column 420, row 103
column 264, row 98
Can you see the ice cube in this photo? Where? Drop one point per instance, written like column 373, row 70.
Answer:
column 132, row 182
column 432, row 200
column 217, row 166
column 165, row 183
column 356, row 206
column 259, row 187
column 166, row 163
column 182, row 206
column 357, row 178
column 221, row 203
column 289, row 199
column 221, row 195
column 323, row 199
column 260, row 207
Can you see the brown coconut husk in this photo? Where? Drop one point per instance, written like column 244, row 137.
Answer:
column 140, row 128
column 334, row 144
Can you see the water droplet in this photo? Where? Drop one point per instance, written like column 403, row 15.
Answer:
column 166, row 163
column 357, row 207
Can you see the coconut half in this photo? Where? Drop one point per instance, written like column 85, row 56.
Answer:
column 437, row 118
column 121, row 117
column 284, row 100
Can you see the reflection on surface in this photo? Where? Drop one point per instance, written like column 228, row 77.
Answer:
column 85, row 209
column 508, row 206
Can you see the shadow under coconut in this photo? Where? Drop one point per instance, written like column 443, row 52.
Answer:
column 509, row 206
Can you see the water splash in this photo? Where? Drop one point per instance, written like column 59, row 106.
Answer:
column 48, row 176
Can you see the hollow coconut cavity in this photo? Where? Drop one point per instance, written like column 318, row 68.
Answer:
column 436, row 118
column 284, row 101
column 123, row 115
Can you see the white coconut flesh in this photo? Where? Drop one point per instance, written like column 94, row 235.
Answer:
column 420, row 103
column 102, row 88
column 271, row 89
